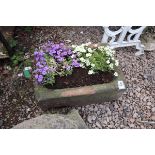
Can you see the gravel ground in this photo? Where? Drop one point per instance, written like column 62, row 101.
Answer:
column 17, row 102
column 135, row 109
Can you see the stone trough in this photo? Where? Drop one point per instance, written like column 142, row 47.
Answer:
column 79, row 96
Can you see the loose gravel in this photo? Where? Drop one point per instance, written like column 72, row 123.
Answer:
column 134, row 109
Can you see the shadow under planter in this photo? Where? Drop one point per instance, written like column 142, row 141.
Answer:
column 79, row 96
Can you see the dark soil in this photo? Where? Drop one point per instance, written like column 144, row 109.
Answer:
column 80, row 77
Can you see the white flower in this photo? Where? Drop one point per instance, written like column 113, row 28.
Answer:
column 82, row 65
column 109, row 53
column 78, row 54
column 113, row 52
column 73, row 56
column 79, row 48
column 112, row 58
column 107, row 48
column 90, row 72
column 87, row 63
column 108, row 62
column 116, row 74
column 88, row 55
column 93, row 65
column 83, row 50
column 82, row 59
column 88, row 43
column 116, row 62
column 111, row 66
column 101, row 47
column 73, row 46
column 90, row 50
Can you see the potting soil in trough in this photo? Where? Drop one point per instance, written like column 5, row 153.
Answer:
column 80, row 77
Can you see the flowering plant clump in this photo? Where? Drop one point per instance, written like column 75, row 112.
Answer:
column 54, row 60
column 96, row 58
column 58, row 60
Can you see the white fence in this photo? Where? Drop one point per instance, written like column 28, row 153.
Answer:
column 125, row 36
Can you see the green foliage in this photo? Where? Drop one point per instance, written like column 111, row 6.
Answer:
column 12, row 42
column 28, row 29
column 66, row 73
column 99, row 59
column 49, row 79
column 17, row 58
column 28, row 62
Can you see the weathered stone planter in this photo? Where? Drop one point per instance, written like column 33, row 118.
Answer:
column 79, row 96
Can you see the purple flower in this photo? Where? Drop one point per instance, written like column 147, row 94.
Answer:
column 41, row 53
column 58, row 52
column 36, row 58
column 61, row 44
column 39, row 64
column 75, row 63
column 44, row 63
column 35, row 53
column 40, row 78
column 58, row 56
column 42, row 59
column 37, row 70
column 44, row 72
column 64, row 53
column 36, row 76
column 61, row 59
column 70, row 52
column 64, row 59
column 46, row 68
column 51, row 52
column 55, row 46
column 68, row 68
